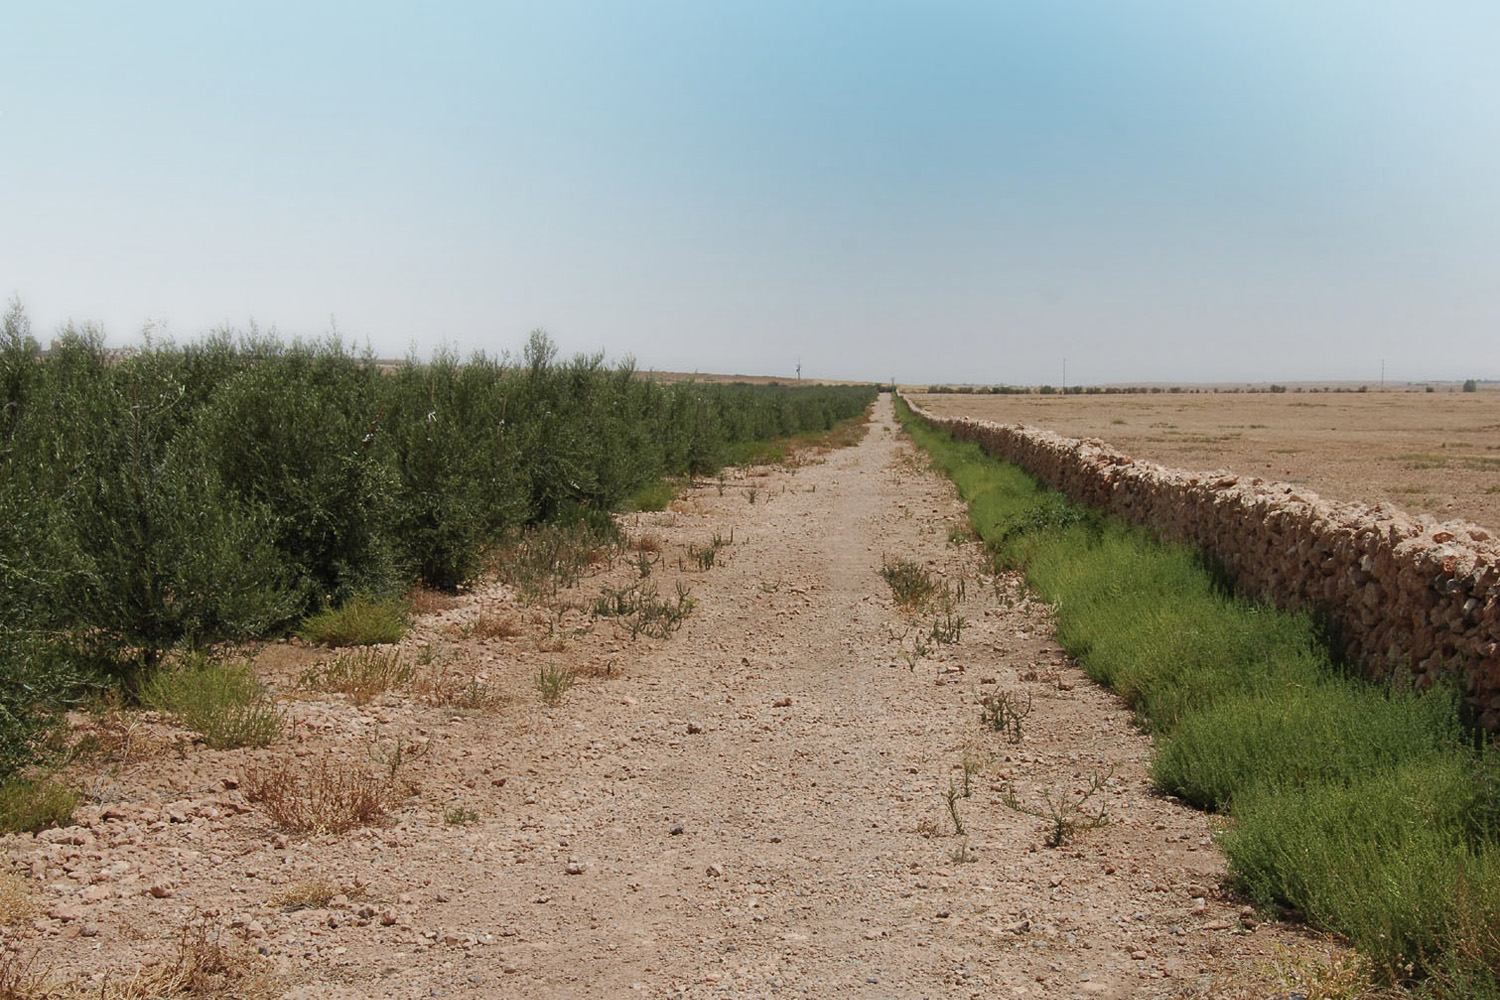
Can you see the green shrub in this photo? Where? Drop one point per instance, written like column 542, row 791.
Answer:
column 225, row 703
column 31, row 804
column 361, row 621
column 1404, row 862
column 656, row 496
column 1300, row 737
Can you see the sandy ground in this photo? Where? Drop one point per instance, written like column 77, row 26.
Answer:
column 1436, row 453
column 752, row 807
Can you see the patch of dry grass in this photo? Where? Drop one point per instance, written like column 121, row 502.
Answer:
column 430, row 602
column 362, row 674
column 16, row 904
column 312, row 893
column 206, row 963
column 440, row 686
column 490, row 626
column 326, row 799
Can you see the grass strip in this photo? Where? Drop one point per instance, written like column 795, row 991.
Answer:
column 1364, row 809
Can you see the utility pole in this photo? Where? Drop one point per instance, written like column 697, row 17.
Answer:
column 1065, row 376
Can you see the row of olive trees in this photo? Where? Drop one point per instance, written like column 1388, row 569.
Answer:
column 224, row 489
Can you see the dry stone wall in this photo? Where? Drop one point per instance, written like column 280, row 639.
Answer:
column 1406, row 593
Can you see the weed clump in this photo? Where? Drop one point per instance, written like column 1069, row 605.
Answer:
column 223, row 702
column 31, row 804
column 1005, row 711
column 362, row 674
column 361, row 621
column 911, row 584
column 1066, row 814
column 552, row 682
column 326, row 799
column 16, row 904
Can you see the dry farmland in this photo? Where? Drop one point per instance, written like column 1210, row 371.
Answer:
column 1435, row 453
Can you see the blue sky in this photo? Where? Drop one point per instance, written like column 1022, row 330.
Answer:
column 940, row 191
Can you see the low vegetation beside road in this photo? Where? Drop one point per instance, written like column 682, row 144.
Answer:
column 1364, row 808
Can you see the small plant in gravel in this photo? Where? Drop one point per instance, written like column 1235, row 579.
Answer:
column 326, row 799
column 552, row 557
column 489, row 626
column 951, row 797
column 973, row 764
column 362, row 621
column 911, row 584
column 961, row 855
column 460, row 816
column 552, row 682
column 117, row 736
column 1004, row 711
column 643, row 611
column 392, row 759
column 704, row 556
column 1066, row 814
column 223, row 702
column 361, row 674
column 308, row 893
column 439, row 686
column 947, row 628
column 1343, row 976
column 20, row 979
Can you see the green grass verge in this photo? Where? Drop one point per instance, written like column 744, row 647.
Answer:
column 1366, row 810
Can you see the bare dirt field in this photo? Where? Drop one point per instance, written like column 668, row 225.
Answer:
column 1436, row 453
column 766, row 803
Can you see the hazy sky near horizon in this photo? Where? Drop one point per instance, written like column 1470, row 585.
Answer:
column 938, row 191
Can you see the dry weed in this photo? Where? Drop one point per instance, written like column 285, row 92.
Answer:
column 362, row 674
column 496, row 627
column 650, row 543
column 315, row 893
column 441, row 687
column 116, row 736
column 1343, row 976
column 15, row 898
column 206, row 964
column 20, row 979
column 431, row 602
column 330, row 799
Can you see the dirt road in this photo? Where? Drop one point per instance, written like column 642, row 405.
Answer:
column 753, row 807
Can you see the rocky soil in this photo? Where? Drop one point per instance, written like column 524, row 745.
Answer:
column 758, row 805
